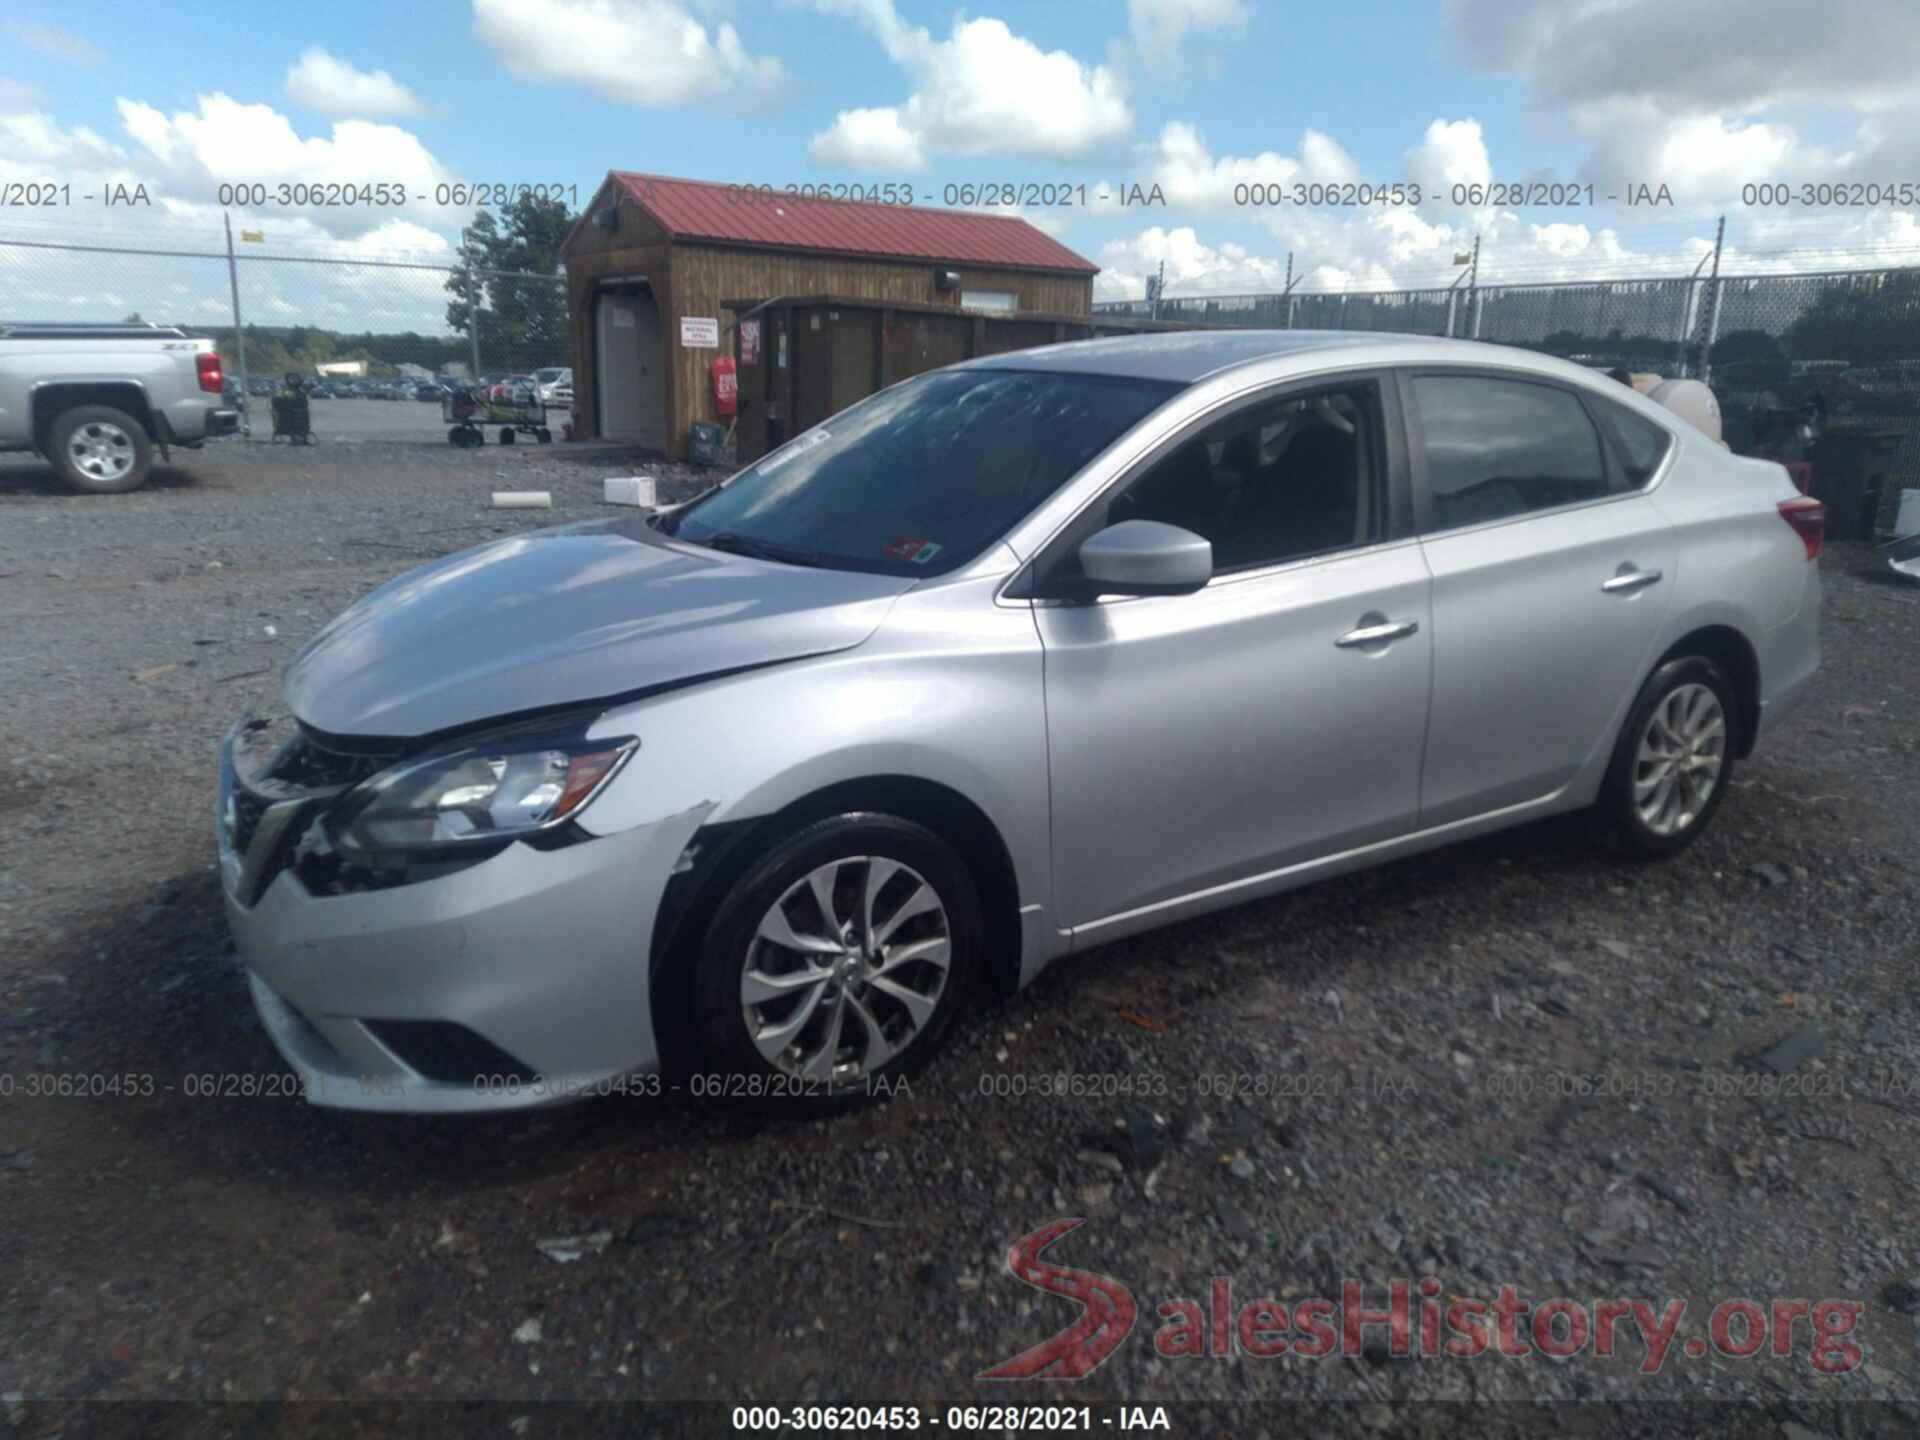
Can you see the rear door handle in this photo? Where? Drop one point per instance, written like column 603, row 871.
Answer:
column 1628, row 581
column 1376, row 634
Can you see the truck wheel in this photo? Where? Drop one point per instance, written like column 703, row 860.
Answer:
column 98, row 450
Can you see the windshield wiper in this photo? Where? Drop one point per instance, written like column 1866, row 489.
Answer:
column 737, row 544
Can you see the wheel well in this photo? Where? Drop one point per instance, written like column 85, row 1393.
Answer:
column 1728, row 649
column 732, row 848
column 51, row 401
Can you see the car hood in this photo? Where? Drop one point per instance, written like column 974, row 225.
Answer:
column 566, row 615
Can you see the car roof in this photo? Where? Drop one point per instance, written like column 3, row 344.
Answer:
column 1190, row 355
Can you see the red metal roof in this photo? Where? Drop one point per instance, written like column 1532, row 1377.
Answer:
column 733, row 215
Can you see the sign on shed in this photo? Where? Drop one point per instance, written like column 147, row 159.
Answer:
column 699, row 332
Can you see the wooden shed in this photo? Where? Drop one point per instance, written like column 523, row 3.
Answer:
column 653, row 261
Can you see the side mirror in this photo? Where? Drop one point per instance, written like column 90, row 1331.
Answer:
column 1145, row 557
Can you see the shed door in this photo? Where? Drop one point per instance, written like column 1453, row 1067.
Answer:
column 631, row 366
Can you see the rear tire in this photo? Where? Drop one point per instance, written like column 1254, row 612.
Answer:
column 1673, row 761
column 845, row 1003
column 98, row 450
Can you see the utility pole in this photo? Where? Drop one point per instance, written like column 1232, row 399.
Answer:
column 1156, row 286
column 1709, row 323
column 473, row 307
column 233, row 286
column 1473, row 289
column 1682, row 338
column 1287, row 294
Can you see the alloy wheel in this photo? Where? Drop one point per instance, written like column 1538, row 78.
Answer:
column 845, row 969
column 1681, row 754
column 101, row 450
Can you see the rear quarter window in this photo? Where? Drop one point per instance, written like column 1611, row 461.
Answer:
column 1643, row 444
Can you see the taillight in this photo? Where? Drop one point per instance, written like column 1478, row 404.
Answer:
column 1808, row 517
column 208, row 363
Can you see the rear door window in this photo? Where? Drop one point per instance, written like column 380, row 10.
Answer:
column 1497, row 448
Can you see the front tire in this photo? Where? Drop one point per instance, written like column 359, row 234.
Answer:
column 835, row 965
column 1673, row 761
column 98, row 450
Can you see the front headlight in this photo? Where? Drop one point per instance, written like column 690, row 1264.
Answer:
column 515, row 786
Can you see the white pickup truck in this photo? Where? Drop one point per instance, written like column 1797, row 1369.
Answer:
column 98, row 400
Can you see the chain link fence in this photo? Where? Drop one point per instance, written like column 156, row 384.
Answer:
column 1840, row 349
column 360, row 329
column 1836, row 354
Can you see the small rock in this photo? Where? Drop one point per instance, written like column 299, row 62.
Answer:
column 1619, row 949
column 1904, row 1296
column 1769, row 874
column 1242, row 1168
column 1095, row 1195
column 528, row 1331
column 567, row 1248
column 1790, row 1050
column 1101, row 1160
column 1386, row 1237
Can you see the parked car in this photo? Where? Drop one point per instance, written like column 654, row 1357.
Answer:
column 513, row 390
column 1013, row 658
column 99, row 401
column 259, row 385
column 428, row 392
column 556, row 384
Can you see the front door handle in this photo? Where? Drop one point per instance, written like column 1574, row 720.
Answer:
column 1628, row 581
column 1376, row 634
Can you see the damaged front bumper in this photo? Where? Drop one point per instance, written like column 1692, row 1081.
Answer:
column 512, row 981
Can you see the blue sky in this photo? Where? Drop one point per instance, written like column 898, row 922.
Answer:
column 1196, row 96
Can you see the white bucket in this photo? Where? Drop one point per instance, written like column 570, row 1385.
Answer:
column 630, row 490
column 1907, row 522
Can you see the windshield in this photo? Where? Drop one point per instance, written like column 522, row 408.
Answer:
column 922, row 477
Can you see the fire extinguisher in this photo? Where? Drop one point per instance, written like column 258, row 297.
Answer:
column 726, row 386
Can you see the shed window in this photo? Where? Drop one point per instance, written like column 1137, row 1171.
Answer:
column 993, row 302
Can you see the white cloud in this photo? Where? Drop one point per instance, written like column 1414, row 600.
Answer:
column 868, row 140
column 225, row 140
column 1452, row 152
column 32, row 144
column 639, row 52
column 1192, row 266
column 1193, row 179
column 981, row 91
column 19, row 98
column 1157, row 28
column 58, row 43
column 1687, row 96
column 321, row 82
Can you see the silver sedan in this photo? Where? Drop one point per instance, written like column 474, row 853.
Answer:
column 1011, row 659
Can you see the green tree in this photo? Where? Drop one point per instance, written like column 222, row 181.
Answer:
column 1864, row 318
column 523, row 313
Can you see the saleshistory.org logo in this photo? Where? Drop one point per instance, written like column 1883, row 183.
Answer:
column 1415, row 1315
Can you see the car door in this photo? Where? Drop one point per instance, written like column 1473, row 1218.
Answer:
column 1199, row 741
column 1552, row 571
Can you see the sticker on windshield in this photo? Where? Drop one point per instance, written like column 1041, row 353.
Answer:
column 799, row 445
column 914, row 549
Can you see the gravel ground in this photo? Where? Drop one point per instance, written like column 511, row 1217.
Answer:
column 1403, row 1040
